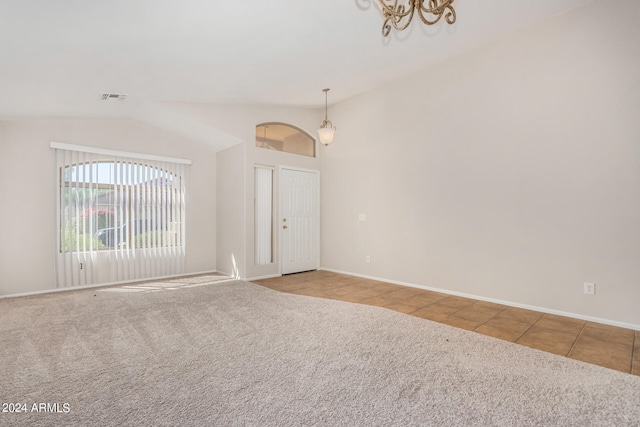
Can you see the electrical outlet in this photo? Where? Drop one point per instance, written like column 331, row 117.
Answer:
column 589, row 288
column 362, row 217
column 367, row 259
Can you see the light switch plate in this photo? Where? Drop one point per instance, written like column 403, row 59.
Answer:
column 589, row 288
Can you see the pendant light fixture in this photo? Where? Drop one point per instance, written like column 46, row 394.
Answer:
column 327, row 130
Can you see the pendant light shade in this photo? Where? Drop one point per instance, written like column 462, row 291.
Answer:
column 326, row 135
column 327, row 130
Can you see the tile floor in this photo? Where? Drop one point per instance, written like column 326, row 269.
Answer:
column 608, row 346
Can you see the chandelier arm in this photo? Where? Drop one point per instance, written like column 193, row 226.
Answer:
column 425, row 20
column 407, row 17
column 395, row 9
column 438, row 9
column 450, row 16
column 435, row 6
column 399, row 16
column 400, row 22
column 395, row 13
column 386, row 28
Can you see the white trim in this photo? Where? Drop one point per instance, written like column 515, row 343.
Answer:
column 268, row 276
column 222, row 272
column 260, row 165
column 237, row 277
column 106, row 285
column 105, row 152
column 293, row 168
column 493, row 300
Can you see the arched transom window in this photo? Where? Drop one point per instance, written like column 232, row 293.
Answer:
column 284, row 137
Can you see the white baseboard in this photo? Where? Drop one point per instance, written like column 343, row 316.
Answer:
column 268, row 276
column 493, row 300
column 230, row 275
column 103, row 285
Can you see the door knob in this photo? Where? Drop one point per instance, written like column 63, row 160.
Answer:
column 285, row 227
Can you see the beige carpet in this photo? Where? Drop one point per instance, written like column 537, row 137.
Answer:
column 233, row 353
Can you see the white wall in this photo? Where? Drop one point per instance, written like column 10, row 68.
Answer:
column 230, row 212
column 511, row 172
column 28, row 186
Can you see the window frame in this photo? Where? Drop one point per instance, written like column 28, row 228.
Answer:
column 130, row 212
column 313, row 141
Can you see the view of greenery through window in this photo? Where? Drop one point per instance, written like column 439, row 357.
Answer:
column 118, row 205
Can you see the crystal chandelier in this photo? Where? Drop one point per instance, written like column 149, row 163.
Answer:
column 327, row 129
column 398, row 14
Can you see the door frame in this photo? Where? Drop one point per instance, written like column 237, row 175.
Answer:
column 280, row 210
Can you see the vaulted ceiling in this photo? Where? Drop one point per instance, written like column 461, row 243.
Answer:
column 58, row 57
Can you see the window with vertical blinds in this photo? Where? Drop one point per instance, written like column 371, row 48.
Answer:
column 119, row 216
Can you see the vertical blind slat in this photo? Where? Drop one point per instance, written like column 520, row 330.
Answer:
column 83, row 219
column 75, row 225
column 94, row 221
column 182, row 205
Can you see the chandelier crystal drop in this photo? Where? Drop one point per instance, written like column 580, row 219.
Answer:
column 399, row 13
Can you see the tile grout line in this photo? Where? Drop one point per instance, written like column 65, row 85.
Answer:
column 528, row 329
column 486, row 321
column 457, row 310
column 576, row 340
column 633, row 351
column 423, row 307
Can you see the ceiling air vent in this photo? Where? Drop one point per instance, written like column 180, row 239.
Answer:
column 113, row 97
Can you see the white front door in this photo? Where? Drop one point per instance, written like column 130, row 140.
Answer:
column 299, row 220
